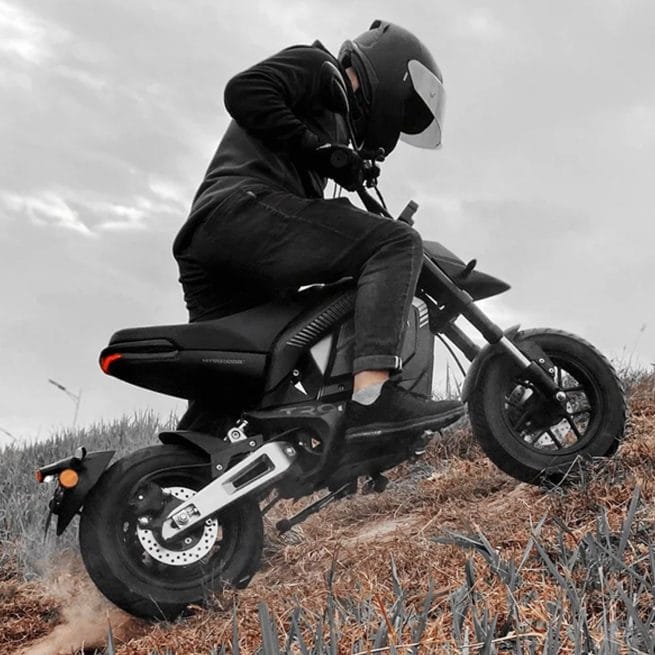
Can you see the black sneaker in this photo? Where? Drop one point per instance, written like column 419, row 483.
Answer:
column 398, row 413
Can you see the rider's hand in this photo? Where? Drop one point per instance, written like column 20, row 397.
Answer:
column 339, row 163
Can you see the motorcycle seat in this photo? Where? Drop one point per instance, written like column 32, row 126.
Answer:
column 253, row 330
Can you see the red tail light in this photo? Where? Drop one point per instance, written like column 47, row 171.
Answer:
column 107, row 360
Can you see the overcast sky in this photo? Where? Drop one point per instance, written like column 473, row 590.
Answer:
column 111, row 111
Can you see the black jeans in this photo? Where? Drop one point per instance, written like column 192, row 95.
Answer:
column 258, row 241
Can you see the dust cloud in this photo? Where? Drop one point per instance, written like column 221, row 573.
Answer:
column 86, row 618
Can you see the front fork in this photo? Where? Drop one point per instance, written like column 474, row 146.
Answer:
column 436, row 283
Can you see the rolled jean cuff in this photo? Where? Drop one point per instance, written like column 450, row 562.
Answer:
column 377, row 363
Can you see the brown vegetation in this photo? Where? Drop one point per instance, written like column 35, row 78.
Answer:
column 452, row 542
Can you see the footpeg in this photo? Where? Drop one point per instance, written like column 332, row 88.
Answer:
column 376, row 484
column 422, row 442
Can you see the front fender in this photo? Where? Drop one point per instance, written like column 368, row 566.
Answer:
column 66, row 502
column 481, row 359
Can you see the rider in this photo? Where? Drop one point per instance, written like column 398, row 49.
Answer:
column 259, row 222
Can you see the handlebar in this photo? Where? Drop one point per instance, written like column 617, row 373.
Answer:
column 369, row 157
column 372, row 204
column 371, row 173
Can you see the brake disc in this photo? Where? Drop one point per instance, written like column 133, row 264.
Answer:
column 189, row 549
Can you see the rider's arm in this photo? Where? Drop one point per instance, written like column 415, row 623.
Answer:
column 267, row 99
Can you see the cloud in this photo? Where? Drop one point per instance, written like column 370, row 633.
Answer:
column 112, row 110
column 540, row 227
column 25, row 36
column 35, row 41
column 65, row 209
column 169, row 191
column 450, row 207
column 48, row 207
column 637, row 126
column 129, row 218
column 89, row 80
column 479, row 24
column 123, row 218
column 140, row 215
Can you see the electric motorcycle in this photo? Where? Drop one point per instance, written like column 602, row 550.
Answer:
column 170, row 524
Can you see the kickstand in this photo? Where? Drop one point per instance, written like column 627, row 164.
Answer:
column 286, row 524
column 271, row 504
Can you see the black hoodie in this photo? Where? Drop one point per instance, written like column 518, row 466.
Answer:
column 280, row 110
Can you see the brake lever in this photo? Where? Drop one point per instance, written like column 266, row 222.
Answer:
column 370, row 159
column 374, row 155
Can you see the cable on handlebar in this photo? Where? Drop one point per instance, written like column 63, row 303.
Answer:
column 384, row 204
column 372, row 204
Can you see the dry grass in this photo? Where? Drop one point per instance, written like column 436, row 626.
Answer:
column 454, row 553
column 26, row 613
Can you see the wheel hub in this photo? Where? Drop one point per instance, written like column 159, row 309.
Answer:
column 188, row 549
column 547, row 423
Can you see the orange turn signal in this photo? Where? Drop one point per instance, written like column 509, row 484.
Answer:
column 39, row 476
column 68, row 478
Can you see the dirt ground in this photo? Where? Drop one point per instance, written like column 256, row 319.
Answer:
column 453, row 488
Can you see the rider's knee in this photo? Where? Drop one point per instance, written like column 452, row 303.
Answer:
column 400, row 235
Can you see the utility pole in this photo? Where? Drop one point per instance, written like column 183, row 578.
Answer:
column 75, row 397
column 9, row 434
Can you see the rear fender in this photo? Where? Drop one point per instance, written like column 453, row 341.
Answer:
column 67, row 502
column 481, row 359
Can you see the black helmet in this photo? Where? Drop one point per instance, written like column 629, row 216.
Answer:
column 401, row 87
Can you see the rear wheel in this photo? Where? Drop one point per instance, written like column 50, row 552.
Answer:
column 127, row 558
column 532, row 437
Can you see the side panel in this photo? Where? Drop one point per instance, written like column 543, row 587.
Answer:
column 418, row 351
column 417, row 355
column 290, row 362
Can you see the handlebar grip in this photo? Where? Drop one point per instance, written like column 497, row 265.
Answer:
column 407, row 213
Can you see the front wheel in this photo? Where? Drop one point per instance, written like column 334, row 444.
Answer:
column 532, row 437
column 125, row 555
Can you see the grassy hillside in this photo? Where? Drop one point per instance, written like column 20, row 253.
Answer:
column 454, row 557
column 23, row 503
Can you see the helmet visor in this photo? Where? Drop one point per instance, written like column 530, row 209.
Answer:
column 430, row 90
